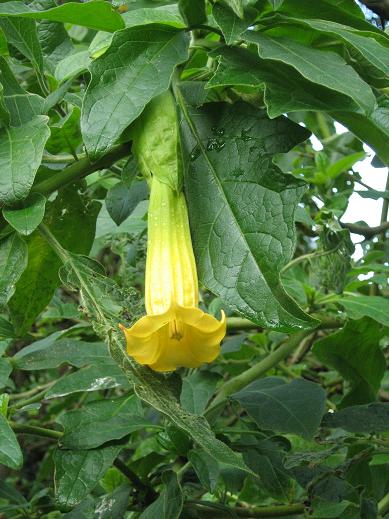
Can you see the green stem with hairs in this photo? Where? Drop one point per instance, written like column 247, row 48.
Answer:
column 80, row 169
column 36, row 431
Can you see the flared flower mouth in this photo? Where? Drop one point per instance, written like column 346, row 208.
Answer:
column 182, row 336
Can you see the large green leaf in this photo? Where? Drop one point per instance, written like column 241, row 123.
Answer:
column 27, row 215
column 101, row 421
column 242, row 209
column 137, row 67
column 355, row 353
column 10, row 453
column 170, row 502
column 98, row 15
column 70, row 216
column 344, row 12
column 21, row 150
column 95, row 377
column 78, row 472
column 163, row 14
column 13, row 261
column 370, row 54
column 23, row 35
column 325, row 68
column 371, row 418
column 376, row 307
column 48, row 355
column 21, row 105
column 285, row 89
column 297, row 407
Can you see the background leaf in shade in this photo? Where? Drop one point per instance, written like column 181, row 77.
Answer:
column 355, row 353
column 296, row 407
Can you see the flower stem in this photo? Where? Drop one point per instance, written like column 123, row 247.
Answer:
column 36, row 431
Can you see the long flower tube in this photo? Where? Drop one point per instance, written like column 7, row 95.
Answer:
column 175, row 332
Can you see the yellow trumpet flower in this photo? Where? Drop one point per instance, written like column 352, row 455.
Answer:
column 175, row 332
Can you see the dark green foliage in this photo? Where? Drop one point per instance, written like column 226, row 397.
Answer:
column 292, row 419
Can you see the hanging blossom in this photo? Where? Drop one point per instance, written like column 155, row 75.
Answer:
column 175, row 332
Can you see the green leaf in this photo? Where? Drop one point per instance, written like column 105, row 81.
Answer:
column 49, row 355
column 372, row 129
column 73, row 222
column 6, row 329
column 230, row 147
column 370, row 419
column 231, row 25
column 104, row 303
column 285, row 89
column 78, row 472
column 170, row 502
column 13, row 261
column 164, row 14
column 4, row 113
column 23, row 35
column 28, row 214
column 368, row 51
column 355, row 353
column 5, row 371
column 296, row 407
column 236, row 6
column 325, row 68
column 85, row 510
column 115, row 504
column 148, row 57
column 100, row 422
column 197, row 390
column 345, row 12
column 71, row 66
column 10, row 454
column 373, row 194
column 266, row 459
column 55, row 42
column 206, row 468
column 193, row 11
column 98, row 15
column 21, row 105
column 276, row 3
column 122, row 199
column 21, row 151
column 96, row 377
column 376, row 307
column 65, row 135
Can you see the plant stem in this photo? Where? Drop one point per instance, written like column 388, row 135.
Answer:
column 30, row 392
column 79, row 169
column 134, row 479
column 250, row 512
column 239, row 323
column 383, row 505
column 35, row 398
column 365, row 230
column 37, row 431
